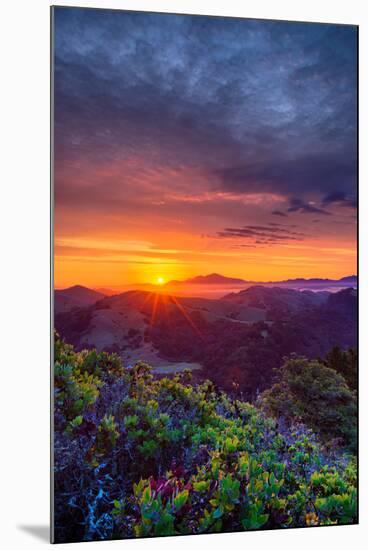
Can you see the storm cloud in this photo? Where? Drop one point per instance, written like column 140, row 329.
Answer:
column 260, row 106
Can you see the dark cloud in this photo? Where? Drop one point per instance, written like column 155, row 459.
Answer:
column 297, row 205
column 298, row 176
column 262, row 234
column 341, row 199
column 257, row 106
column 278, row 213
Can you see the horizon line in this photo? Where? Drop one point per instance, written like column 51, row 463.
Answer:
column 112, row 287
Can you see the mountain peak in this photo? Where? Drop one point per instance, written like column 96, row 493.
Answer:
column 349, row 279
column 218, row 279
column 215, row 278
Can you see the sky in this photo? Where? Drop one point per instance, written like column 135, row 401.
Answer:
column 186, row 145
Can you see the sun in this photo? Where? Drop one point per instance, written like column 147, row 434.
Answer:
column 160, row 280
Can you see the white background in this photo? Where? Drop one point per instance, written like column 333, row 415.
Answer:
column 25, row 260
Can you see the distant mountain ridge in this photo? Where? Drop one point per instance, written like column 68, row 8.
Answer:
column 215, row 278
column 78, row 296
column 349, row 279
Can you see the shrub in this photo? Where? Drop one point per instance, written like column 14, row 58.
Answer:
column 309, row 391
column 139, row 456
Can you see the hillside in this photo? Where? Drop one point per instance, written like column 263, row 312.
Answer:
column 274, row 299
column 123, row 323
column 75, row 297
column 236, row 341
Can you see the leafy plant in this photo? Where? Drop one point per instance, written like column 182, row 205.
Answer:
column 140, row 456
column 309, row 391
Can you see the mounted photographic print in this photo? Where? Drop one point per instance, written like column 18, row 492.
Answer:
column 205, row 274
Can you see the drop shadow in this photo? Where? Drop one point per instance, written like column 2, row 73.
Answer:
column 40, row 532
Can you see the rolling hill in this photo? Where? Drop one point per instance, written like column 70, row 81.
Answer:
column 242, row 336
column 122, row 323
column 75, row 297
column 282, row 300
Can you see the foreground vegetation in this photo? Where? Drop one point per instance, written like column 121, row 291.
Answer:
column 137, row 456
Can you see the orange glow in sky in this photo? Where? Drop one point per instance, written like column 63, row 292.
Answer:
column 179, row 154
column 98, row 257
column 147, row 233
